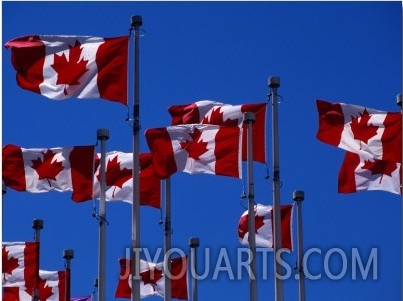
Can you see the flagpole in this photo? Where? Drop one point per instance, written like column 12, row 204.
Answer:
column 399, row 103
column 68, row 255
column 249, row 119
column 102, row 135
column 3, row 188
column 298, row 196
column 274, row 83
column 136, row 22
column 194, row 243
column 167, row 241
column 95, row 289
column 37, row 226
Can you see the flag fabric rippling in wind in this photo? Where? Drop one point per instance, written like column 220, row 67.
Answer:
column 51, row 287
column 195, row 148
column 60, row 67
column 20, row 264
column 264, row 227
column 370, row 133
column 211, row 112
column 373, row 143
column 44, row 169
column 153, row 279
column 119, row 179
column 357, row 174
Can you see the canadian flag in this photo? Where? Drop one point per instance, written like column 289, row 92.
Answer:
column 370, row 133
column 358, row 174
column 20, row 264
column 195, row 148
column 211, row 112
column 119, row 179
column 51, row 287
column 44, row 169
column 264, row 227
column 153, row 279
column 60, row 67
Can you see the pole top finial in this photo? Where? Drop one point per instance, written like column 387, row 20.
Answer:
column 137, row 21
column 249, row 117
column 274, row 82
column 298, row 195
column 399, row 99
column 194, row 242
column 37, row 224
column 68, row 254
column 103, row 134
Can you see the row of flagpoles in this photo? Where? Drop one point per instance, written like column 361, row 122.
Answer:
column 24, row 280
column 274, row 83
column 326, row 134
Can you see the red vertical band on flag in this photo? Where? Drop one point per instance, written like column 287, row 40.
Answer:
column 11, row 293
column 123, row 288
column 347, row 183
column 184, row 114
column 13, row 168
column 392, row 137
column 331, row 122
column 111, row 59
column 28, row 57
column 179, row 278
column 286, row 238
column 227, row 140
column 258, row 132
column 160, row 145
column 31, row 264
column 150, row 185
column 81, row 162
column 64, row 285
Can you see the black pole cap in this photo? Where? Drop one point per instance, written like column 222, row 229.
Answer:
column 399, row 100
column 68, row 254
column 37, row 224
column 137, row 21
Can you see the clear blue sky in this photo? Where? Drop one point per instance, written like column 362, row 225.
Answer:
column 223, row 51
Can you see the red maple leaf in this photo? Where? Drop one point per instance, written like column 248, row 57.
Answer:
column 243, row 224
column 8, row 265
column 217, row 118
column 195, row 148
column 45, row 291
column 114, row 176
column 380, row 167
column 47, row 169
column 151, row 276
column 361, row 129
column 70, row 70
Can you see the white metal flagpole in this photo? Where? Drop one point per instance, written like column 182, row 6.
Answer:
column 102, row 135
column 68, row 255
column 274, row 83
column 399, row 103
column 37, row 226
column 167, row 241
column 298, row 196
column 136, row 22
column 194, row 243
column 249, row 118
